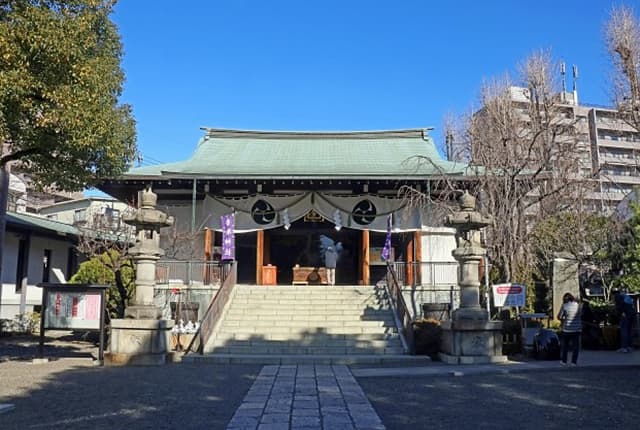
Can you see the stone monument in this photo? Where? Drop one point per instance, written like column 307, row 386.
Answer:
column 469, row 337
column 143, row 338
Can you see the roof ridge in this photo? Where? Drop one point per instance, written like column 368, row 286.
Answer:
column 38, row 217
column 273, row 134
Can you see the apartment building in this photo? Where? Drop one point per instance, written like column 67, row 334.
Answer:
column 89, row 213
column 608, row 148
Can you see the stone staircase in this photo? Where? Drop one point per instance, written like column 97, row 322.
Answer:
column 306, row 324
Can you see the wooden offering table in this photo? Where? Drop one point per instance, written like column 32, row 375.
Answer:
column 309, row 275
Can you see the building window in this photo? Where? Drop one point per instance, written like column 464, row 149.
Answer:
column 112, row 218
column 79, row 215
column 72, row 262
column 46, row 265
column 23, row 264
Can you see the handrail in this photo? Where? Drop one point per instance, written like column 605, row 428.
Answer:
column 189, row 272
column 214, row 312
column 400, row 310
column 426, row 273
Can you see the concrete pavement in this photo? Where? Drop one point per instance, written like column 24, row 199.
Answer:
column 73, row 393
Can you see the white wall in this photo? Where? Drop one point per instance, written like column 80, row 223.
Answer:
column 64, row 212
column 438, row 243
column 10, row 303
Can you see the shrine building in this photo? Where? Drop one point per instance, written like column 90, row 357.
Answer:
column 291, row 193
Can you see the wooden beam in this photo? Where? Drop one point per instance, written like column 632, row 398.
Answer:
column 409, row 262
column 208, row 234
column 259, row 256
column 417, row 237
column 207, row 254
column 364, row 252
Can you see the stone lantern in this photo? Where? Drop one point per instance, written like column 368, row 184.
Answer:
column 470, row 337
column 145, row 253
column 141, row 337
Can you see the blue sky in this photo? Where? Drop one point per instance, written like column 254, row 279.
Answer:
column 336, row 65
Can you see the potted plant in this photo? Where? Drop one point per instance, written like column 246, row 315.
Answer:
column 427, row 335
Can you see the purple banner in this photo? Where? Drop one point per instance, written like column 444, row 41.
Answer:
column 386, row 251
column 228, row 239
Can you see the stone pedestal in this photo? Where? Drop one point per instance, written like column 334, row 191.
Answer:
column 471, row 342
column 470, row 337
column 142, row 338
column 139, row 342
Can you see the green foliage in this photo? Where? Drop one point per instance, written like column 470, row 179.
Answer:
column 602, row 311
column 120, row 276
column 60, row 80
column 555, row 325
column 630, row 279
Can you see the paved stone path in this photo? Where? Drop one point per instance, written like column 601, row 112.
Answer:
column 305, row 397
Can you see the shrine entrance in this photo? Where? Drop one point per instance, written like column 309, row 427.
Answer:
column 303, row 244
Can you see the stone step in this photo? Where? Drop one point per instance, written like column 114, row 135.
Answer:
column 304, row 320
column 373, row 359
column 306, row 324
column 304, row 331
column 306, row 337
column 308, row 343
column 306, row 304
column 305, row 350
column 296, row 314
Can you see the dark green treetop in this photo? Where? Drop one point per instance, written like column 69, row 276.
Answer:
column 60, row 80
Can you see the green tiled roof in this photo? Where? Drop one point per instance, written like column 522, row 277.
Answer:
column 236, row 153
column 38, row 223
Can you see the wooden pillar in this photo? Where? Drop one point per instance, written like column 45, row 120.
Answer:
column 410, row 280
column 259, row 256
column 208, row 234
column 417, row 238
column 364, row 252
column 266, row 248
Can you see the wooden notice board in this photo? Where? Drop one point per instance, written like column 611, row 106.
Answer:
column 73, row 307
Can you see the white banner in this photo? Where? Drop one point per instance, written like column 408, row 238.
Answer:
column 263, row 211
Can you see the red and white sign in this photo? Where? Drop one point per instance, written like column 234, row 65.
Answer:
column 509, row 295
column 73, row 310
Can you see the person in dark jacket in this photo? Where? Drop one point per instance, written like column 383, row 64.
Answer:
column 626, row 313
column 330, row 261
column 571, row 318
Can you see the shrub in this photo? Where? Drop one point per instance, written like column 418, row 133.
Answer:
column 427, row 334
column 112, row 269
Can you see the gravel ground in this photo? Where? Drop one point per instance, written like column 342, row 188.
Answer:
column 559, row 399
column 74, row 394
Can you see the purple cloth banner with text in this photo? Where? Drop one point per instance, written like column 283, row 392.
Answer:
column 386, row 251
column 228, row 239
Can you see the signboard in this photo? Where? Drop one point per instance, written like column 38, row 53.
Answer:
column 73, row 306
column 509, row 295
column 73, row 310
column 228, row 239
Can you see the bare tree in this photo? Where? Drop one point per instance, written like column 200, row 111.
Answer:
column 526, row 162
column 622, row 33
column 107, row 239
column 530, row 160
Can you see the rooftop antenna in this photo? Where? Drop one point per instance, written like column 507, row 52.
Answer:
column 448, row 140
column 564, row 84
column 575, row 84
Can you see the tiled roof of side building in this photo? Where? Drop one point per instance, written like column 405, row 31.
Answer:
column 234, row 153
column 35, row 222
